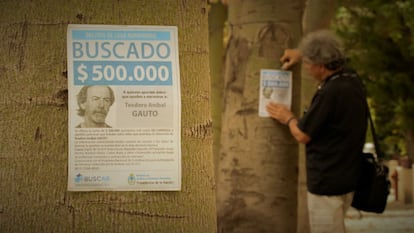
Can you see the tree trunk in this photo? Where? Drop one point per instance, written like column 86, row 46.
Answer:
column 33, row 108
column 409, row 142
column 258, row 166
column 216, row 21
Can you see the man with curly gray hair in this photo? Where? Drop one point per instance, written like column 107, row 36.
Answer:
column 333, row 129
column 94, row 103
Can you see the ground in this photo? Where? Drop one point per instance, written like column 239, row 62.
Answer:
column 397, row 218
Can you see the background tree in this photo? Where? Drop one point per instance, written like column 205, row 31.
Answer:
column 33, row 124
column 216, row 23
column 318, row 15
column 379, row 36
column 257, row 174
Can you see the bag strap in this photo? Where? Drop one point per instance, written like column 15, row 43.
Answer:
column 378, row 150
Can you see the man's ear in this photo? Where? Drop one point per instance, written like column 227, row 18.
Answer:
column 82, row 106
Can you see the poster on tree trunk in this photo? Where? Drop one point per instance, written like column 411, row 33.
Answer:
column 275, row 86
column 123, row 108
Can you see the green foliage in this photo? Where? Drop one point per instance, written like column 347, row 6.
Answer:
column 379, row 39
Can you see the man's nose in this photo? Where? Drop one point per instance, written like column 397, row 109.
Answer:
column 101, row 103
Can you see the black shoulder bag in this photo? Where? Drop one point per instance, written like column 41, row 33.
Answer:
column 373, row 186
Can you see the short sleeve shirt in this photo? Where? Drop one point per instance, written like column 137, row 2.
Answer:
column 336, row 121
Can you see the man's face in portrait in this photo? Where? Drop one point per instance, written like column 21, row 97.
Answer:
column 97, row 104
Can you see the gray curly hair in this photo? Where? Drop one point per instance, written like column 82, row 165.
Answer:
column 324, row 48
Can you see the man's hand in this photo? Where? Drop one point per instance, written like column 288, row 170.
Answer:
column 290, row 57
column 279, row 112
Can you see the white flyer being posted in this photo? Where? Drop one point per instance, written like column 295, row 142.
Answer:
column 124, row 108
column 275, row 86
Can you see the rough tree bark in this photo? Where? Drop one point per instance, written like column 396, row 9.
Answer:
column 33, row 124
